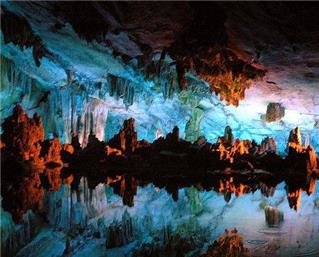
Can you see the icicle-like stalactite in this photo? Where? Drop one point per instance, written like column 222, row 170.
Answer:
column 18, row 87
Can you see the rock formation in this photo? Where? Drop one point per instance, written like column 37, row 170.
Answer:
column 194, row 200
column 230, row 244
column 294, row 137
column 301, row 158
column 268, row 145
column 16, row 29
column 120, row 233
column 124, row 163
column 192, row 129
column 273, row 216
column 22, row 135
column 30, row 164
column 126, row 139
column 21, row 163
column 275, row 111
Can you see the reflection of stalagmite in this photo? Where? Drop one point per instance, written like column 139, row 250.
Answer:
column 230, row 244
column 228, row 136
column 273, row 216
column 194, row 200
column 120, row 232
column 294, row 199
column 229, row 186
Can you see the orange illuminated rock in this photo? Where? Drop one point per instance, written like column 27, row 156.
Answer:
column 2, row 145
column 25, row 158
column 228, row 186
column 295, row 137
column 294, row 199
column 230, row 244
column 112, row 151
column 303, row 158
column 51, row 151
column 68, row 180
column 22, row 135
column 68, row 148
column 230, row 152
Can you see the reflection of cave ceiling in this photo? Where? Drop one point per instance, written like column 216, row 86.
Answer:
column 87, row 66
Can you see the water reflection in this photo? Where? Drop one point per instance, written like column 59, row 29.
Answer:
column 227, row 185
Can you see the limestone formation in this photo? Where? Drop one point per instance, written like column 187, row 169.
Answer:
column 192, row 129
column 126, row 139
column 273, row 216
column 23, row 135
column 268, row 145
column 125, row 163
column 301, row 158
column 120, row 232
column 194, row 200
column 295, row 137
column 228, row 136
column 275, row 111
column 230, row 244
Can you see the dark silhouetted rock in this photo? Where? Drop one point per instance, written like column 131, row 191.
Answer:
column 126, row 139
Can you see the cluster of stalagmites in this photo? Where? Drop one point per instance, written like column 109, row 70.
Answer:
column 28, row 163
column 230, row 244
column 31, row 164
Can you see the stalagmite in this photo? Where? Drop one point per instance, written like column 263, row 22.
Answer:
column 192, row 128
